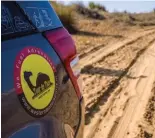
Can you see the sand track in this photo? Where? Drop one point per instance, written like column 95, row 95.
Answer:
column 101, row 76
column 90, row 57
column 115, row 80
column 140, row 91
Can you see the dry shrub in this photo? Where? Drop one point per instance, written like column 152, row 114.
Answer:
column 66, row 15
column 122, row 17
column 81, row 9
column 141, row 19
column 145, row 19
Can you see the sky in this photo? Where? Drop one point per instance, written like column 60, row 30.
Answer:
column 130, row 6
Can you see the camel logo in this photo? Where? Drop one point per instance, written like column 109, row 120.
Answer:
column 35, row 81
column 42, row 83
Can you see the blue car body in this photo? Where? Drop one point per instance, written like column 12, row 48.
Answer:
column 23, row 27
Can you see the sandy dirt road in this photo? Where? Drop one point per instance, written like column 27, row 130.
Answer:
column 117, row 86
column 124, row 115
column 97, row 53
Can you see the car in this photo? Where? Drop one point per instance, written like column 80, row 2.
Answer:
column 41, row 93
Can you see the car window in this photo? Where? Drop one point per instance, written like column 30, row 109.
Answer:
column 41, row 14
column 13, row 22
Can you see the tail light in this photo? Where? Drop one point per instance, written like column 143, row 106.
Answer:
column 64, row 45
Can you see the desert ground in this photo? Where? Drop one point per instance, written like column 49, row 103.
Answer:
column 117, row 60
column 118, row 72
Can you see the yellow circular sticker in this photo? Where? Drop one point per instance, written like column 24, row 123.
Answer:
column 35, row 81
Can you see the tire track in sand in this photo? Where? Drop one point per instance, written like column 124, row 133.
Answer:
column 111, row 82
column 98, row 118
column 93, row 57
column 139, row 91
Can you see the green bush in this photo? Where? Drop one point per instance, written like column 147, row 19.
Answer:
column 92, row 5
column 101, row 7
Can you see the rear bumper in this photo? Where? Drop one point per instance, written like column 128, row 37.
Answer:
column 80, row 130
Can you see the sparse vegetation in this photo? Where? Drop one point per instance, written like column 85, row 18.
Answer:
column 144, row 19
column 92, row 5
column 88, row 12
column 66, row 16
column 141, row 19
column 124, row 17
